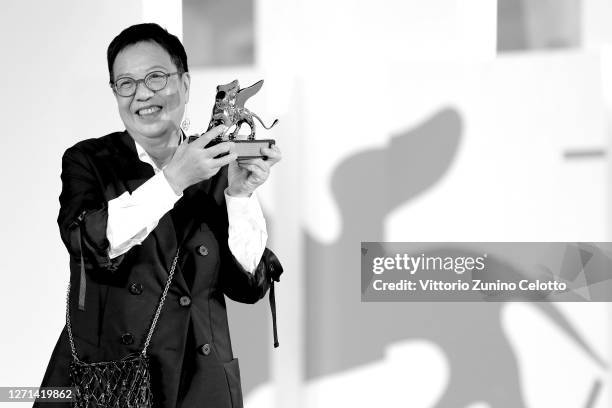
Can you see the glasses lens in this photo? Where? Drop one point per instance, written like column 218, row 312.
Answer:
column 125, row 86
column 156, row 81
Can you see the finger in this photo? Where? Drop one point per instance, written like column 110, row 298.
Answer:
column 208, row 136
column 224, row 147
column 264, row 166
column 274, row 155
column 246, row 161
column 271, row 151
column 257, row 173
column 222, row 161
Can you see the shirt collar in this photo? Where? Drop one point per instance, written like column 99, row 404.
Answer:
column 143, row 156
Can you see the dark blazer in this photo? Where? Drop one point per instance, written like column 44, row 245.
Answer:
column 192, row 364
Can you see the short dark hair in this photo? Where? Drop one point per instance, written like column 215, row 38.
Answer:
column 147, row 32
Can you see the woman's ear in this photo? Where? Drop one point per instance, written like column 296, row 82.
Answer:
column 185, row 83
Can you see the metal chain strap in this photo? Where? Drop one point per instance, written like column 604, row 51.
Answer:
column 155, row 318
column 161, row 302
column 69, row 327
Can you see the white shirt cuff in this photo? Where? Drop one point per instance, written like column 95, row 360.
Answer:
column 132, row 217
column 247, row 232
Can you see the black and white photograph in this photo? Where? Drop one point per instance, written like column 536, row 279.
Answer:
column 306, row 204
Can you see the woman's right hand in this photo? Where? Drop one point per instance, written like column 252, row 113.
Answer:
column 193, row 163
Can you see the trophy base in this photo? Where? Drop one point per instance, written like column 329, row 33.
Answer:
column 246, row 149
column 250, row 149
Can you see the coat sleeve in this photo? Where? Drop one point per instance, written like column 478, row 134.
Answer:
column 246, row 287
column 243, row 286
column 237, row 283
column 83, row 212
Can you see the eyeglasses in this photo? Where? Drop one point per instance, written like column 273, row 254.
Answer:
column 155, row 81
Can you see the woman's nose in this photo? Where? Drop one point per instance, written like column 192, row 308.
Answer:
column 142, row 92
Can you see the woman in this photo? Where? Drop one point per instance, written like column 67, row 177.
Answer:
column 129, row 201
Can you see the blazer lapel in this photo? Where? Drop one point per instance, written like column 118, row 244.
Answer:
column 134, row 173
column 167, row 245
column 186, row 215
column 131, row 170
column 189, row 211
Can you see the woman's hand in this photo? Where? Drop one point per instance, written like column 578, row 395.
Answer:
column 193, row 163
column 244, row 176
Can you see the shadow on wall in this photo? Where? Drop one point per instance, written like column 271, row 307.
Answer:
column 343, row 333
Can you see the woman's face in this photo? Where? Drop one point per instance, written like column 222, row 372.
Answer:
column 150, row 114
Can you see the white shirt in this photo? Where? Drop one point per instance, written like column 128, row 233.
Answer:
column 132, row 217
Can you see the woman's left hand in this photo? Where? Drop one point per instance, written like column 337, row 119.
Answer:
column 244, row 176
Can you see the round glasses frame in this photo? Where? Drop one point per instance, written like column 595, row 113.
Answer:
column 154, row 81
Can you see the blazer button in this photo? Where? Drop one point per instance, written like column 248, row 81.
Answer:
column 185, row 301
column 127, row 339
column 202, row 250
column 136, row 288
column 205, row 349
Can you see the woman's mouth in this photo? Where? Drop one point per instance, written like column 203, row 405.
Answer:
column 150, row 110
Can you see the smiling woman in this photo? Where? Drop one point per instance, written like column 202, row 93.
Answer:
column 150, row 112
column 159, row 232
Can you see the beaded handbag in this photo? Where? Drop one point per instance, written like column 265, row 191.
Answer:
column 124, row 383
